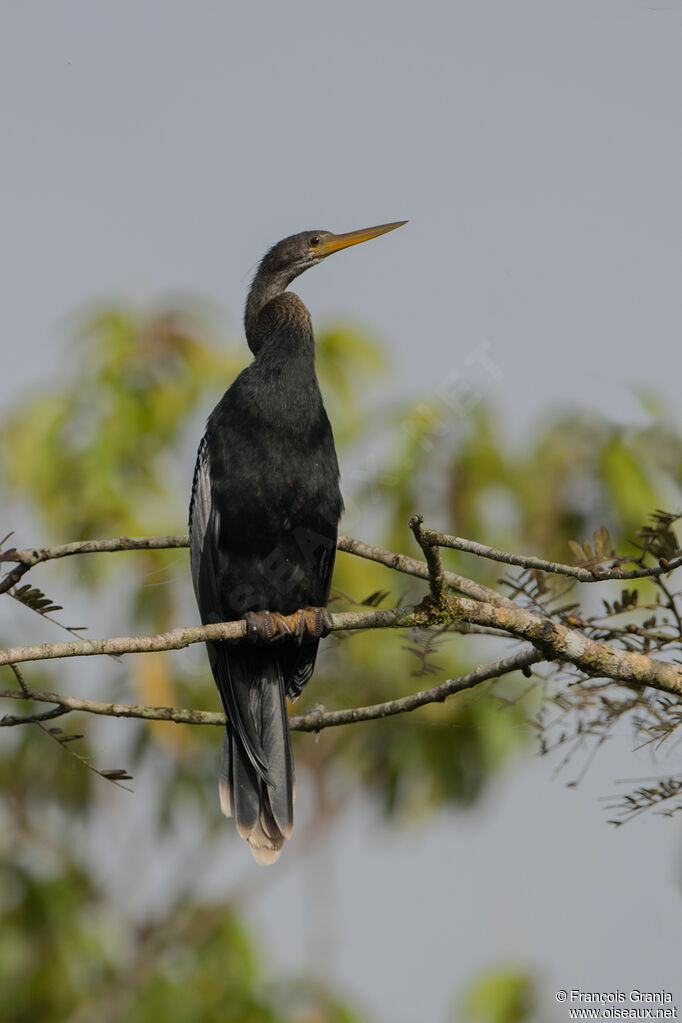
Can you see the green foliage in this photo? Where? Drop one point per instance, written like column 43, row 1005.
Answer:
column 92, row 453
column 47, row 954
column 504, row 996
column 65, row 953
column 346, row 361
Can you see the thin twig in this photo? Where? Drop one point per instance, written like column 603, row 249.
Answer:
column 13, row 577
column 113, row 777
column 584, row 575
column 35, row 555
column 115, row 710
column 31, row 556
column 672, row 604
column 319, row 718
column 414, row 567
column 26, row 689
column 28, row 693
column 48, row 618
column 27, row 719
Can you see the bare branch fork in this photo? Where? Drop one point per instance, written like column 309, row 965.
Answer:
column 479, row 606
column 437, row 582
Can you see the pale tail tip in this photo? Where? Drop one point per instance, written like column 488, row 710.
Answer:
column 264, row 857
column 264, row 847
column 225, row 798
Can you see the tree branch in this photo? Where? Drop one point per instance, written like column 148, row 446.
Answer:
column 487, row 610
column 116, row 710
column 432, row 555
column 35, row 555
column 398, row 562
column 558, row 642
column 177, row 639
column 31, row 556
column 478, row 609
column 27, row 719
column 319, row 718
column 554, row 641
column 584, row 575
column 314, row 721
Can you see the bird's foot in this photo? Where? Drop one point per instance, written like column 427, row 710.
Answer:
column 272, row 627
column 265, row 626
column 311, row 623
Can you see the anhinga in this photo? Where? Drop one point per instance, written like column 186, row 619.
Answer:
column 263, row 528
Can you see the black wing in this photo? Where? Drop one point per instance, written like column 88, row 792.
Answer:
column 204, row 533
column 303, row 660
column 256, row 780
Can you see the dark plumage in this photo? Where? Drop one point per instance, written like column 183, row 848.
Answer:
column 263, row 526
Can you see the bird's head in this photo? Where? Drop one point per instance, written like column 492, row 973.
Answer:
column 289, row 258
column 292, row 256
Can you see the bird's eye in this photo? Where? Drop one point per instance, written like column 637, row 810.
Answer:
column 314, row 241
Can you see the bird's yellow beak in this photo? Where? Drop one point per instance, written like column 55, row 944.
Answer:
column 335, row 242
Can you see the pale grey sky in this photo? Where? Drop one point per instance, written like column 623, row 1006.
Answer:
column 155, row 147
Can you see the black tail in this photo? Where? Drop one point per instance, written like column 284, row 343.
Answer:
column 256, row 770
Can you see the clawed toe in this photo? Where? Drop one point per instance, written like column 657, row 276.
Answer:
column 311, row 623
column 265, row 626
column 317, row 622
column 272, row 627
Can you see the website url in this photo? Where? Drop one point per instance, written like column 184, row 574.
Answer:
column 615, row 1012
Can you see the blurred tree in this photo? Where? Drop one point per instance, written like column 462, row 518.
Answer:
column 66, row 953
column 108, row 449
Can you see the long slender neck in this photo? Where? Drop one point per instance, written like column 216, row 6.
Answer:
column 283, row 370
column 263, row 290
column 279, row 331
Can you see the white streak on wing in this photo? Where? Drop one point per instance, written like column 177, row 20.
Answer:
column 224, row 781
column 200, row 510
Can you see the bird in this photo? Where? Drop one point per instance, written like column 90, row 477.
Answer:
column 264, row 514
